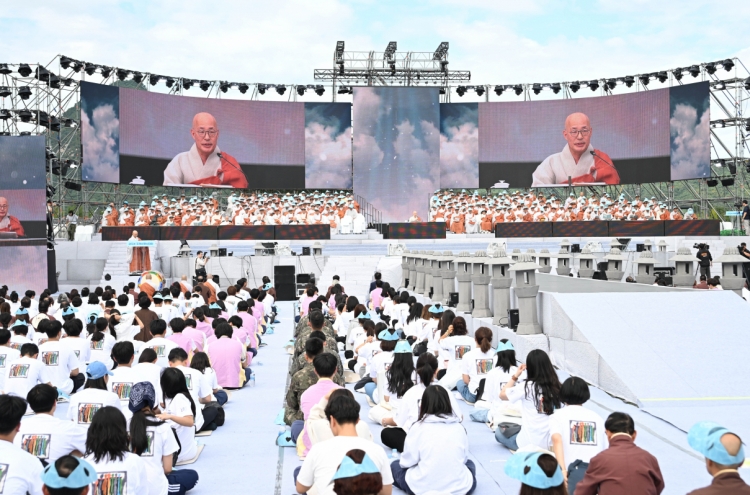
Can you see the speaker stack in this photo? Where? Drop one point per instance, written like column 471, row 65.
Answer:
column 284, row 282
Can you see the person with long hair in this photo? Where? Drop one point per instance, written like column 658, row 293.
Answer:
column 357, row 475
column 95, row 394
column 505, row 367
column 182, row 414
column 539, row 397
column 412, row 324
column 342, row 323
column 451, row 347
column 202, row 363
column 154, row 441
column 100, row 340
column 380, row 360
column 436, row 450
column 538, row 472
column 108, row 450
column 476, row 363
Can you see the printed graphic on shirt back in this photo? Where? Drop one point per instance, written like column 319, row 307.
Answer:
column 86, row 411
column 159, row 350
column 460, row 350
column 2, row 360
column 41, row 341
column 111, row 483
column 582, row 433
column 122, row 389
column 3, row 476
column 51, row 358
column 15, row 345
column 149, row 452
column 78, row 353
column 483, row 366
column 36, row 445
column 189, row 381
column 19, row 371
column 97, row 345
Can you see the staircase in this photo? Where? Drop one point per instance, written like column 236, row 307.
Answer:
column 356, row 273
column 118, row 267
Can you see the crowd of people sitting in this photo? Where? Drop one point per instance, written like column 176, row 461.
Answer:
column 142, row 372
column 472, row 213
column 335, row 208
column 413, row 362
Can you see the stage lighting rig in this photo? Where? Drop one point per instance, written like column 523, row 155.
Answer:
column 262, row 88
column 499, row 90
column 25, row 116
column 611, row 84
column 77, row 66
column 555, row 87
column 518, row 89
column 645, row 79
column 187, row 83
column 747, row 84
column 137, row 77
column 243, row 88
column 4, row 69
column 727, row 64
column 106, row 71
column 24, row 92
column 90, row 68
column 710, row 68
column 593, row 85
column 169, row 82
column 122, row 74
column 479, row 90
column 280, row 89
column 24, row 70
column 224, row 86
column 536, row 88
column 301, row 90
column 574, row 86
column 4, row 114
column 694, row 70
column 204, row 85
column 319, row 90
column 441, row 52
column 153, row 79
column 662, row 76
column 677, row 73
column 461, row 90
column 65, row 62
column 4, row 91
column 390, row 50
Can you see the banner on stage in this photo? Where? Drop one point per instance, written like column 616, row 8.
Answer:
column 148, row 244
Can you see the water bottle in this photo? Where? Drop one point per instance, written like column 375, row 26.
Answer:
column 395, row 455
column 252, row 378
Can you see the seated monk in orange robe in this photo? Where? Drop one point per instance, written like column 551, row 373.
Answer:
column 486, row 223
column 9, row 223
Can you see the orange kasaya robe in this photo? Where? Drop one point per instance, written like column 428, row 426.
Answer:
column 14, row 225
column 457, row 223
column 486, row 223
column 148, row 289
column 603, row 171
column 230, row 174
column 528, row 217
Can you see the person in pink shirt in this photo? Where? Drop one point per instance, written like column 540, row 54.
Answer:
column 376, row 296
column 194, row 334
column 203, row 322
column 227, row 358
column 256, row 308
column 304, row 305
column 240, row 334
column 184, row 338
column 250, row 324
column 325, row 365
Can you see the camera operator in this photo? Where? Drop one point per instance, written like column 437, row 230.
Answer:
column 200, row 265
column 745, row 217
column 705, row 261
column 745, row 253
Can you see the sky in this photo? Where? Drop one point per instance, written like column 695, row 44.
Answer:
column 500, row 42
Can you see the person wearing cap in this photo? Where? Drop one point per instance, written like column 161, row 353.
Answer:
column 43, row 435
column 95, row 395
column 69, row 475
column 623, row 468
column 724, row 454
column 21, row 471
column 538, row 472
column 380, row 361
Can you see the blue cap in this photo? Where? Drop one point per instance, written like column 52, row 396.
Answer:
column 268, row 286
column 83, row 475
column 402, row 347
column 158, row 296
column 436, row 309
column 505, row 346
column 705, row 437
column 534, row 476
column 388, row 336
column 22, row 311
column 350, row 469
column 96, row 370
column 364, row 316
column 214, row 306
column 70, row 310
column 19, row 323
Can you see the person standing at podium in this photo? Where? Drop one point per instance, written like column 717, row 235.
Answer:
column 139, row 257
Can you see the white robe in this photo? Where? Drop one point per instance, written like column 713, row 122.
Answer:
column 188, row 167
column 556, row 168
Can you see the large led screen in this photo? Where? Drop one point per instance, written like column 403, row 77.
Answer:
column 650, row 136
column 145, row 138
column 26, row 265
column 396, row 149
column 23, row 212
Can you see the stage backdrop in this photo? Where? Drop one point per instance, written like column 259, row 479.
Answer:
column 396, row 149
column 23, row 212
column 130, row 136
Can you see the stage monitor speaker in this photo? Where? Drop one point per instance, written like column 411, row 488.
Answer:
column 285, row 292
column 51, row 271
column 453, row 299
column 639, row 248
column 602, row 265
column 305, row 251
column 222, row 252
column 575, row 248
column 283, row 274
column 600, row 275
column 303, row 278
column 513, row 319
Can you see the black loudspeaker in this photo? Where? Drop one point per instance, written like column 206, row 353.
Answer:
column 602, row 266
column 305, row 251
column 575, row 248
column 600, row 275
column 513, row 319
column 303, row 278
column 639, row 248
column 283, row 277
column 51, row 271
column 453, row 299
column 222, row 252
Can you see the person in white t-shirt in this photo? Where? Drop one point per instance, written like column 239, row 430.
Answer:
column 452, row 346
column 101, row 341
column 476, row 364
column 380, row 361
column 539, row 397
column 60, row 361
column 108, row 450
column 124, row 376
column 160, row 344
column 21, row 471
column 25, row 372
column 150, row 371
column 155, row 442
column 198, row 385
column 182, row 414
column 84, row 403
column 491, row 406
column 7, row 355
column 20, row 335
column 577, row 433
column 43, row 435
column 323, row 459
column 80, row 346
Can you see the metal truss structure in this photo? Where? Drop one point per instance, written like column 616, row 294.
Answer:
column 44, row 99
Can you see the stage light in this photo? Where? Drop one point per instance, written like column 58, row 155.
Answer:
column 223, row 86
column 24, row 115
column 153, row 79
column 77, row 66
column 204, row 85
column 106, row 71
column 280, row 89
column 169, row 82
column 711, row 68
column 4, row 91
column 4, row 69
column 24, row 70
column 593, row 85
column 341, row 68
column 727, row 64
column 694, row 70
column 392, row 66
column 73, row 186
column 89, row 68
column 645, row 79
column 677, row 73
column 4, row 114
column 55, row 166
column 499, row 90
column 319, row 90
column 461, row 90
column 518, row 89
column 122, row 74
column 747, row 84
column 536, row 88
column 732, row 168
column 479, row 90
column 662, row 76
column 187, row 83
column 727, row 182
column 301, row 90
column 712, row 182
column 574, row 86
column 65, row 62
column 720, row 85
column 137, row 77
column 555, row 87
column 629, row 81
column 243, row 88
column 441, row 91
column 25, row 133
column 444, row 65
column 70, row 123
column 747, row 126
column 262, row 88
column 24, row 92
column 611, row 84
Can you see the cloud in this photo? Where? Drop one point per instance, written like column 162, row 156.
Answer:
column 459, row 156
column 328, row 157
column 101, row 160
column 690, row 143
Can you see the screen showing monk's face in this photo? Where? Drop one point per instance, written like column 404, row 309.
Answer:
column 22, row 188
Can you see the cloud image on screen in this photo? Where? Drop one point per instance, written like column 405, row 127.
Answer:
column 22, row 162
column 31, row 274
column 459, row 145
column 689, row 125
column 328, row 146
column 396, row 149
column 100, row 133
